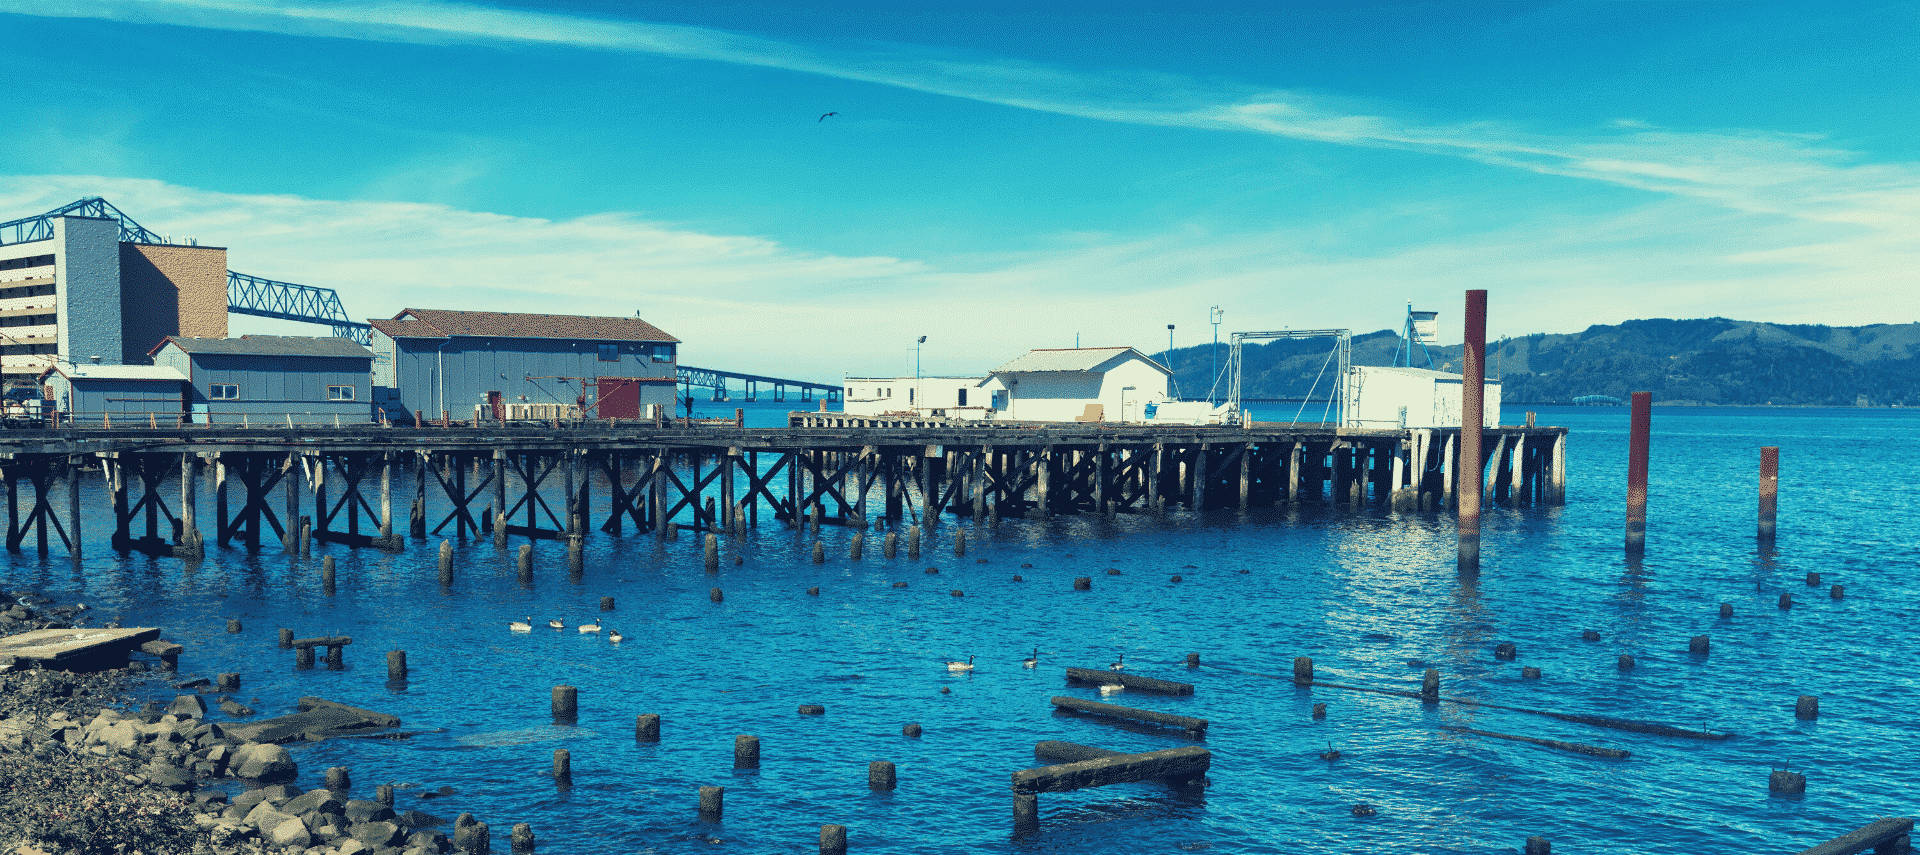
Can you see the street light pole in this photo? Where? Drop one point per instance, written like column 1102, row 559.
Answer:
column 915, row 396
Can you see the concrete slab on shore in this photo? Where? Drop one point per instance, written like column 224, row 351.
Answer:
column 76, row 649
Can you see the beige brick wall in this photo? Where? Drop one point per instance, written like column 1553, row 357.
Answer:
column 170, row 290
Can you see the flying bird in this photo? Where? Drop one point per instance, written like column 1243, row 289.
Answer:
column 823, row 117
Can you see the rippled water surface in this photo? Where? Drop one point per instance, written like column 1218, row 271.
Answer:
column 1372, row 596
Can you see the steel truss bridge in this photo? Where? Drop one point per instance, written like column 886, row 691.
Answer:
column 288, row 301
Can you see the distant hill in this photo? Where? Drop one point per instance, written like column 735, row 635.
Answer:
column 1703, row 361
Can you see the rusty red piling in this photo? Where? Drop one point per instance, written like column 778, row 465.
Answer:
column 1468, row 480
column 1641, row 423
column 1769, row 490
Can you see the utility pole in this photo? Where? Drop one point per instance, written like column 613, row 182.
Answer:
column 1214, row 314
column 1169, row 360
column 915, row 396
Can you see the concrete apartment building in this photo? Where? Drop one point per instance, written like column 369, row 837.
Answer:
column 82, row 296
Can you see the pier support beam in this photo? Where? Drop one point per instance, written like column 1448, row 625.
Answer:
column 1472, row 400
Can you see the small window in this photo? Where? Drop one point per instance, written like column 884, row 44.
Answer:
column 609, row 353
column 339, row 393
column 223, row 392
column 663, row 353
column 963, row 397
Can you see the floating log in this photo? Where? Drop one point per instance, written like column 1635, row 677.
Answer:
column 1890, row 835
column 1195, row 726
column 1137, row 682
column 1185, row 764
column 1574, row 747
column 1056, row 751
column 1630, row 725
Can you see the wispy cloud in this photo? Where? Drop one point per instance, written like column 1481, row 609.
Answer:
column 1788, row 175
column 755, row 303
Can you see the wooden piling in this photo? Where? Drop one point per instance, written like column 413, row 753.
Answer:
column 233, row 624
column 712, row 801
column 1782, row 782
column 1026, row 814
column 913, row 541
column 384, row 794
column 286, row 638
column 1472, row 401
column 1135, row 682
column 446, row 562
column 856, row 545
column 340, row 780
column 819, row 552
column 606, row 604
column 1171, row 764
column 911, row 731
column 1640, row 425
column 1083, row 583
column 833, row 840
column 1537, row 845
column 1806, row 707
column 881, row 776
column 710, row 552
column 1430, row 686
column 397, row 666
column 522, row 839
column 960, row 541
column 746, row 752
column 523, row 561
column 566, row 704
column 327, row 575
column 1303, row 670
column 646, row 727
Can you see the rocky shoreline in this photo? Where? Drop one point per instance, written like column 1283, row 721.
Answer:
column 81, row 773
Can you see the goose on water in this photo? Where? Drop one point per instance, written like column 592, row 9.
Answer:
column 1033, row 660
column 556, row 624
column 1119, row 664
column 520, row 625
column 957, row 665
column 590, row 627
column 615, row 636
column 1111, row 689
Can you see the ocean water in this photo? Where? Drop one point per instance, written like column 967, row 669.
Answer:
column 1372, row 596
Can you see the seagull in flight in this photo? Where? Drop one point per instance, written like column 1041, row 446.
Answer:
column 823, row 117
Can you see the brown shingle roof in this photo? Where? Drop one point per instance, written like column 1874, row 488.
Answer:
column 445, row 323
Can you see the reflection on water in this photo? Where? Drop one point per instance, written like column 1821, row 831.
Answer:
column 1374, row 597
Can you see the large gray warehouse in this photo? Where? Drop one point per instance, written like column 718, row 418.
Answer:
column 497, row 365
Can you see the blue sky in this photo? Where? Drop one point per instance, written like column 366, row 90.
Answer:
column 1000, row 175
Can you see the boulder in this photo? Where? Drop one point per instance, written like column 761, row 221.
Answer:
column 291, row 834
column 315, row 801
column 188, row 706
column 367, row 810
column 263, row 763
column 376, row 833
column 236, row 709
column 266, row 818
column 431, row 841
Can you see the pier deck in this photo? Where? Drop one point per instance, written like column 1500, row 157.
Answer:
column 539, row 480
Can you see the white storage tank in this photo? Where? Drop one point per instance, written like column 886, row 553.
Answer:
column 1376, row 396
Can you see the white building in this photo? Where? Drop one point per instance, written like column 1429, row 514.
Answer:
column 948, row 397
column 1376, row 396
column 1112, row 384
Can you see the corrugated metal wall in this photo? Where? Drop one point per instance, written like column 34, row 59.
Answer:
column 274, row 388
column 543, row 372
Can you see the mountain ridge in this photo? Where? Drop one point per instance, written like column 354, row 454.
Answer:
column 1711, row 361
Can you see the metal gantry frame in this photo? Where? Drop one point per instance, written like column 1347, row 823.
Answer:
column 268, row 298
column 1342, row 352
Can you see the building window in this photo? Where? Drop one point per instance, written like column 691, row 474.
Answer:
column 223, row 392
column 963, row 397
column 339, row 393
column 609, row 353
column 663, row 353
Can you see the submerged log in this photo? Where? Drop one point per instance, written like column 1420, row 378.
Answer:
column 1137, row 682
column 1889, row 835
column 1195, row 726
column 1184, row 764
column 1574, row 747
column 317, row 719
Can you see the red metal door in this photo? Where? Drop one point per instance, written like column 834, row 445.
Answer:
column 619, row 398
column 497, row 406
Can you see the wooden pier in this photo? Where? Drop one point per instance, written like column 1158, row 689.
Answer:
column 554, row 481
